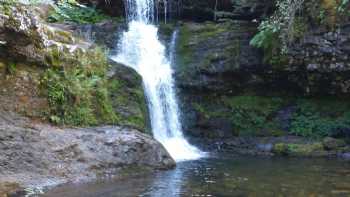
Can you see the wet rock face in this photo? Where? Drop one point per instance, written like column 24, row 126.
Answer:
column 105, row 33
column 217, row 56
column 234, row 9
column 324, row 56
column 195, row 10
column 215, row 61
column 110, row 7
column 37, row 155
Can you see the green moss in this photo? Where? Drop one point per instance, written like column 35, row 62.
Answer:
column 192, row 34
column 63, row 36
column 2, row 65
column 129, row 104
column 232, row 53
column 201, row 110
column 305, row 150
column 166, row 29
column 210, row 30
column 184, row 50
column 280, row 149
column 11, row 68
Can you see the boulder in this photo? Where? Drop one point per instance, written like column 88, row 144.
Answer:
column 35, row 155
column 313, row 149
column 26, row 37
column 345, row 156
column 127, row 96
column 332, row 143
column 11, row 189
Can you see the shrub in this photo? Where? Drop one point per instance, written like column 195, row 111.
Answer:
column 251, row 115
column 5, row 5
column 69, row 10
column 279, row 26
column 291, row 20
column 77, row 90
column 320, row 118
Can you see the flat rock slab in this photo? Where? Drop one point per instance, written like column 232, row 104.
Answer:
column 37, row 155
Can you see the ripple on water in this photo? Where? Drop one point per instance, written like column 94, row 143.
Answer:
column 230, row 176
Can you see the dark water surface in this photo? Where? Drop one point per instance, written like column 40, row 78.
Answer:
column 225, row 175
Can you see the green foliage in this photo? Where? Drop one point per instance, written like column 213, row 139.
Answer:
column 331, row 12
column 343, row 7
column 278, row 31
column 320, row 118
column 5, row 5
column 77, row 90
column 200, row 109
column 268, row 40
column 11, row 68
column 291, row 20
column 105, row 112
column 70, row 10
column 259, row 115
column 251, row 115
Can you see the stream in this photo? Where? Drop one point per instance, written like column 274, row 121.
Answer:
column 228, row 175
column 198, row 174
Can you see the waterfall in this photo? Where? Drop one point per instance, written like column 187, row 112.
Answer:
column 141, row 49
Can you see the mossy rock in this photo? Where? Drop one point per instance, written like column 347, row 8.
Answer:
column 2, row 65
column 333, row 144
column 127, row 96
column 8, row 189
column 299, row 150
column 280, row 149
column 306, row 150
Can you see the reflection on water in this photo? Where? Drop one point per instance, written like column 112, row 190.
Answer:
column 230, row 176
column 167, row 183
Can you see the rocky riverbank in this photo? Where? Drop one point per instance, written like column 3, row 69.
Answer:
column 38, row 155
column 284, row 146
column 57, row 90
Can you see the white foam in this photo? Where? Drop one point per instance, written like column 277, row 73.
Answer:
column 141, row 49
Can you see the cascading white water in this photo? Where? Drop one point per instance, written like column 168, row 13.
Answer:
column 141, row 49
